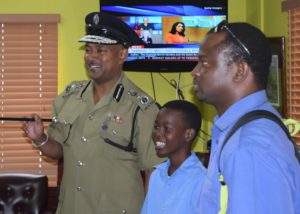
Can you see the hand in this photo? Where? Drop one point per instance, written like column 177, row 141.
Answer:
column 34, row 129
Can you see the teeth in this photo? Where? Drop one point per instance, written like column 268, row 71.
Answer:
column 94, row 66
column 160, row 144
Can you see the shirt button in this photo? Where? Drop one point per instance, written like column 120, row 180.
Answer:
column 80, row 163
column 78, row 189
column 54, row 119
column 83, row 139
column 91, row 117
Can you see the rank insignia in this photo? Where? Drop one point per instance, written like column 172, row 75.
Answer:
column 74, row 86
column 117, row 119
column 106, row 121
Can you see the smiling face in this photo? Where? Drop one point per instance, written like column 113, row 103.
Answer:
column 104, row 62
column 179, row 28
column 170, row 134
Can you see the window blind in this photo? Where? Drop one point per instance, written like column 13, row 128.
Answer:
column 28, row 84
column 293, row 96
column 289, row 4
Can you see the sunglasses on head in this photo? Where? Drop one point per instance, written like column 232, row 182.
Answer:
column 223, row 26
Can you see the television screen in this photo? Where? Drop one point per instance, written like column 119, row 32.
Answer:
column 172, row 30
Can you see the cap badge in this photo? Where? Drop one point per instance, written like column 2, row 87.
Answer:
column 96, row 19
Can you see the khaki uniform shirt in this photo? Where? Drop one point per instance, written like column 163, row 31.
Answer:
column 100, row 177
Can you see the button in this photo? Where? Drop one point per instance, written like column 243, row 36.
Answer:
column 124, row 211
column 91, row 117
column 83, row 139
column 144, row 100
column 78, row 189
column 54, row 119
column 80, row 163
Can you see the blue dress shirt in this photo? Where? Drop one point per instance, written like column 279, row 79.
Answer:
column 178, row 193
column 258, row 164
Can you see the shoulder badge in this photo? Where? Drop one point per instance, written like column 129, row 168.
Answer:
column 142, row 100
column 74, row 86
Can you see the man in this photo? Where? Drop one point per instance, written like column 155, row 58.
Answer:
column 101, row 127
column 146, row 31
column 258, row 163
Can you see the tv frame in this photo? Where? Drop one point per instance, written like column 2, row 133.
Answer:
column 185, row 56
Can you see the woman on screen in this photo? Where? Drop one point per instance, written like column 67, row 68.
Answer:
column 176, row 35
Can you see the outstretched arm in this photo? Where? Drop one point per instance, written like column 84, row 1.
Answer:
column 35, row 131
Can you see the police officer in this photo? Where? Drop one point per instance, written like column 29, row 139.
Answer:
column 101, row 127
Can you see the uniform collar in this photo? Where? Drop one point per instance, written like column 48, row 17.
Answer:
column 88, row 90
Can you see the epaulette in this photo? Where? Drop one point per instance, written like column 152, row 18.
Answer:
column 73, row 87
column 143, row 100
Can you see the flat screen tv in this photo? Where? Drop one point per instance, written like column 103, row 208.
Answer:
column 159, row 54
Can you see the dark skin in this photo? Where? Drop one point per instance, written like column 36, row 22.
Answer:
column 218, row 82
column 35, row 131
column 171, row 129
column 104, row 64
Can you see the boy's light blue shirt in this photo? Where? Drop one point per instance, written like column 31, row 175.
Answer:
column 178, row 193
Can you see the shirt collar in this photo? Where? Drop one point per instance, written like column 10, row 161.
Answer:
column 183, row 168
column 108, row 97
column 244, row 105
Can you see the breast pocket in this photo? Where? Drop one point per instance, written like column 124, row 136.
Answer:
column 119, row 136
column 62, row 125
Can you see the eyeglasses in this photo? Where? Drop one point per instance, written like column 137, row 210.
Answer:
column 223, row 26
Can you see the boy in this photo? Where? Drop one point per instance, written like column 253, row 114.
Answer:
column 175, row 185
